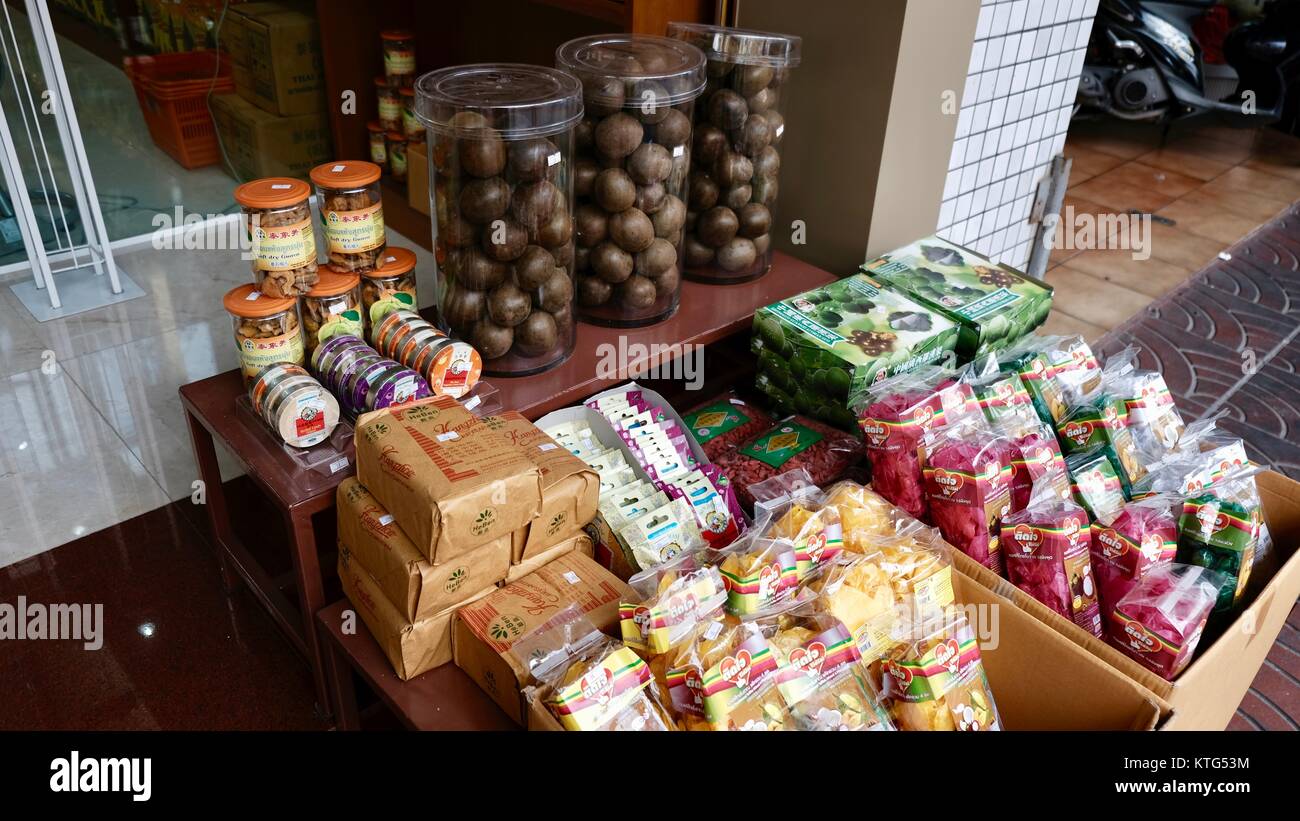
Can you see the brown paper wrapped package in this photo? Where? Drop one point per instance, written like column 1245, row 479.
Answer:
column 570, row 488
column 450, row 481
column 412, row 648
column 574, row 544
column 486, row 629
column 416, row 588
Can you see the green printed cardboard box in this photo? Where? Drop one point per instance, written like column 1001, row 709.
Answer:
column 994, row 304
column 817, row 349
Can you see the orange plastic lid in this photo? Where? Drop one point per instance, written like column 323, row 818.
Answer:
column 345, row 174
column 396, row 34
column 241, row 302
column 332, row 283
column 272, row 192
column 382, row 82
column 376, row 127
column 393, row 262
column 407, row 92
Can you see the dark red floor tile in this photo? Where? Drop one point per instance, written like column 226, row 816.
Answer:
column 1241, row 722
column 1264, row 714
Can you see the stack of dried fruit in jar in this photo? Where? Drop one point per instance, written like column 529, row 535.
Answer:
column 277, row 211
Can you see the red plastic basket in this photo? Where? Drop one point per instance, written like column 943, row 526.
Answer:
column 173, row 91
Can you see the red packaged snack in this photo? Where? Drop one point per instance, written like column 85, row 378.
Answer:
column 724, row 423
column 1046, row 549
column 1142, row 536
column 895, row 415
column 794, row 442
column 1159, row 623
column 1034, row 454
column 967, row 487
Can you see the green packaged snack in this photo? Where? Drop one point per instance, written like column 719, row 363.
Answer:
column 1027, row 360
column 817, row 349
column 993, row 304
column 1220, row 530
column 1095, row 484
column 1097, row 422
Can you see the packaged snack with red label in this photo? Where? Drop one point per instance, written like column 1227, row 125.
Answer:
column 727, row 679
column 1046, row 549
column 937, row 681
column 1143, row 535
column 1095, row 483
column 895, row 415
column 726, row 422
column 1219, row 529
column 1159, row 623
column 792, row 443
column 968, row 488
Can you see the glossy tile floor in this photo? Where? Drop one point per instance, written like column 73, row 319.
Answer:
column 1206, row 188
column 93, row 430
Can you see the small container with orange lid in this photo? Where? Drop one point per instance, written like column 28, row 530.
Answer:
column 351, row 212
column 451, row 367
column 389, row 286
column 396, row 149
column 378, row 149
column 412, row 128
column 399, row 56
column 277, row 213
column 267, row 329
column 332, row 308
column 389, row 103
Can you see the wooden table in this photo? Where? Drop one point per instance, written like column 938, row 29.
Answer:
column 710, row 316
column 441, row 699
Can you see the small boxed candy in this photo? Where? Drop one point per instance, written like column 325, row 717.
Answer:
column 1159, row 623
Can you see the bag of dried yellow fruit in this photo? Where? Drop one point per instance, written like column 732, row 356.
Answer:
column 825, row 683
column 727, row 679
column 919, row 569
column 758, row 573
column 856, row 592
column 670, row 600
column 789, row 508
column 937, row 682
column 864, row 515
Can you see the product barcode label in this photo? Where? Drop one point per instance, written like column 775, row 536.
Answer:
column 711, row 632
column 449, row 435
column 547, row 446
column 338, row 464
column 571, row 577
column 386, row 520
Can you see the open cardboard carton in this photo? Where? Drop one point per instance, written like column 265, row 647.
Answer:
column 1040, row 681
column 1206, row 695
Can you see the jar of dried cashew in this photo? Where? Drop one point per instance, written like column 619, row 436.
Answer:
column 351, row 213
column 277, row 214
column 267, row 329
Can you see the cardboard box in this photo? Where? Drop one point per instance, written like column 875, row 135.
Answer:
column 411, row 647
column 1206, row 695
column 417, row 178
column 264, row 145
column 540, row 719
column 580, row 543
column 279, row 45
column 486, row 630
column 994, row 304
column 451, row 482
column 415, row 587
column 570, row 488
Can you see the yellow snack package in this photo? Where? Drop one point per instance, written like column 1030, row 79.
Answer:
column 758, row 574
column 864, row 515
column 938, row 682
column 857, row 592
column 603, row 685
column 727, row 679
column 919, row 570
column 672, row 600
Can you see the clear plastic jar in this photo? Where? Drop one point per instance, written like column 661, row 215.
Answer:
column 268, row 330
column 389, row 286
column 389, row 104
column 633, row 152
column 395, row 147
column 737, row 159
column 351, row 213
column 399, row 56
column 378, row 144
column 412, row 128
column 501, row 152
column 277, row 211
column 332, row 308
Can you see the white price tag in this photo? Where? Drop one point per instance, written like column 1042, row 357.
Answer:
column 254, row 296
column 737, row 402
column 679, row 151
column 279, row 186
column 448, row 436
column 336, row 169
column 571, row 577
column 338, row 307
column 547, row 446
column 473, row 402
column 338, row 464
column 711, row 632
column 386, row 520
column 553, row 159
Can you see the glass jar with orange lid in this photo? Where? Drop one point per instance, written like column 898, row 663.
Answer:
column 388, row 99
column 396, row 149
column 412, row 128
column 399, row 56
column 378, row 136
column 389, row 286
column 332, row 308
column 351, row 213
column 277, row 214
column 267, row 329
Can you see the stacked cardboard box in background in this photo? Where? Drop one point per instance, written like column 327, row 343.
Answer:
column 275, row 124
column 445, row 506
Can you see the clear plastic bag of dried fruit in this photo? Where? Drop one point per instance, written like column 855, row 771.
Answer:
column 865, row 515
column 823, row 679
column 935, row 679
column 968, row 487
column 895, row 415
column 856, row 591
column 727, row 679
column 760, row 574
column 589, row 681
column 796, row 442
column 790, row 509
